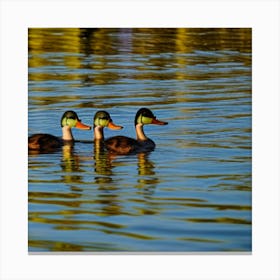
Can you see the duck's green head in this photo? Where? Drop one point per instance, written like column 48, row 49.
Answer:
column 103, row 119
column 71, row 119
column 145, row 116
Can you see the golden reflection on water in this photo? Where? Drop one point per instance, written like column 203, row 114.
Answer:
column 107, row 41
column 102, row 163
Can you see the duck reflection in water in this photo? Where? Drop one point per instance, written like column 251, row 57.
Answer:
column 108, row 192
column 147, row 178
column 70, row 165
column 103, row 163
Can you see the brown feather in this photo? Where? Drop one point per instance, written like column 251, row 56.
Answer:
column 44, row 142
column 125, row 145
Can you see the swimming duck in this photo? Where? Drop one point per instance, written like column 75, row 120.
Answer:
column 46, row 142
column 103, row 119
column 126, row 145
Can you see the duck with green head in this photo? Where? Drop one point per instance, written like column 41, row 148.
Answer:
column 101, row 120
column 43, row 142
column 125, row 145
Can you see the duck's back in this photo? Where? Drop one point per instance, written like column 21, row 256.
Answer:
column 125, row 145
column 43, row 142
column 121, row 144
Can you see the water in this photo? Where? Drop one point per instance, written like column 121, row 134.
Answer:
column 193, row 192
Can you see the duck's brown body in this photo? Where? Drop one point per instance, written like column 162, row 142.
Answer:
column 125, row 145
column 44, row 142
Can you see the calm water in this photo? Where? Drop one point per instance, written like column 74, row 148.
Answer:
column 193, row 192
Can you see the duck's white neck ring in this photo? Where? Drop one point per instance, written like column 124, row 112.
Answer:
column 67, row 133
column 98, row 133
column 140, row 135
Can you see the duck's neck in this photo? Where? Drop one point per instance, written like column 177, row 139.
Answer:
column 140, row 135
column 98, row 133
column 67, row 133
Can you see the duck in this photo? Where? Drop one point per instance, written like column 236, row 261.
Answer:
column 123, row 145
column 103, row 119
column 43, row 142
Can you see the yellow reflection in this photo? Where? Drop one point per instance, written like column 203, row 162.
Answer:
column 70, row 47
column 223, row 220
column 147, row 179
column 102, row 162
column 108, row 196
column 70, row 165
column 55, row 245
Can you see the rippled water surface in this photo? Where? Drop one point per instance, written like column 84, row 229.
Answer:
column 193, row 192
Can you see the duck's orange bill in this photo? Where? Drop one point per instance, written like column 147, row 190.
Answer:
column 113, row 126
column 155, row 121
column 80, row 125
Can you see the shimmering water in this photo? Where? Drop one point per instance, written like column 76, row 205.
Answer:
column 193, row 192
